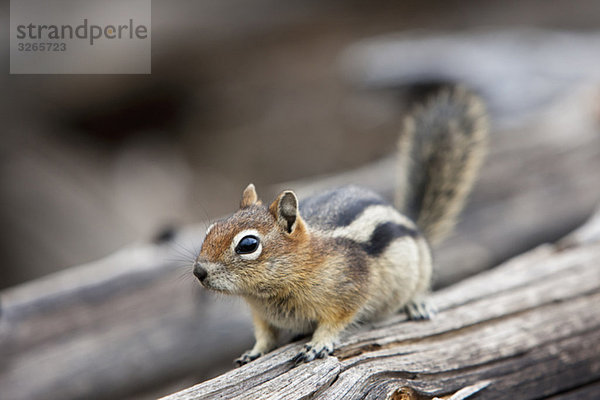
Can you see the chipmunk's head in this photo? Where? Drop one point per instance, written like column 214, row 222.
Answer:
column 252, row 252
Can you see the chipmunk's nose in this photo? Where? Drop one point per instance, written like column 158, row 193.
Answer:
column 200, row 272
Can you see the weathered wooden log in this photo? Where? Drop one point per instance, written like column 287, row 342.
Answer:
column 129, row 322
column 527, row 329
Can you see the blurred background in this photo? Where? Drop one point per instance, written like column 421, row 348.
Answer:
column 271, row 92
column 238, row 93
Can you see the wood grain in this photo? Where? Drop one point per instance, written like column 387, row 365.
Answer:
column 528, row 329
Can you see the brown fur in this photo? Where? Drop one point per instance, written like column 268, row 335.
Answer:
column 297, row 277
column 300, row 281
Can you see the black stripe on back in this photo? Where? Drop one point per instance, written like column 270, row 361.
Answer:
column 384, row 234
column 353, row 210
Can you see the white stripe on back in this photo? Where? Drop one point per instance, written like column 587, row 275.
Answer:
column 362, row 227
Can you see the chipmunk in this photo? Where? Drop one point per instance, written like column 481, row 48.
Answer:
column 347, row 256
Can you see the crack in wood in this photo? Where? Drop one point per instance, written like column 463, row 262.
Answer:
column 576, row 392
column 407, row 393
column 322, row 389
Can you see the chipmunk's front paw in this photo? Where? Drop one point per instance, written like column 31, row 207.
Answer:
column 312, row 351
column 420, row 309
column 246, row 358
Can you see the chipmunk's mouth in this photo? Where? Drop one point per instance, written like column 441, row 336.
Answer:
column 213, row 277
column 215, row 286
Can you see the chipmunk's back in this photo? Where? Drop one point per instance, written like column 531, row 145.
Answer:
column 357, row 214
column 338, row 207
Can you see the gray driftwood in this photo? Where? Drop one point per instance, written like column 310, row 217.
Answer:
column 136, row 320
column 527, row 329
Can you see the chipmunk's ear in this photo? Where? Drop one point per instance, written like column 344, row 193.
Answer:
column 285, row 210
column 249, row 197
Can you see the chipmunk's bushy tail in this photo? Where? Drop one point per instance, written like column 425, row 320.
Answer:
column 442, row 146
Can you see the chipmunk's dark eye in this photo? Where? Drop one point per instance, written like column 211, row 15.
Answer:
column 247, row 245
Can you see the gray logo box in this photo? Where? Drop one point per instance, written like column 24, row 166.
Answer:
column 80, row 37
